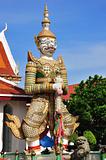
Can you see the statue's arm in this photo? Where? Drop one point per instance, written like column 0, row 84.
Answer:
column 31, row 87
column 63, row 74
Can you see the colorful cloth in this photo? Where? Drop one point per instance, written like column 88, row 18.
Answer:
column 58, row 131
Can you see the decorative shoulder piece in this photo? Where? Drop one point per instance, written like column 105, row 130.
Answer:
column 60, row 60
column 32, row 58
column 63, row 69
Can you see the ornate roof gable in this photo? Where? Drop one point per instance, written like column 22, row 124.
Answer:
column 8, row 67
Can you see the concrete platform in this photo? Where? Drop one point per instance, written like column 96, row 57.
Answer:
column 48, row 157
column 22, row 156
column 41, row 157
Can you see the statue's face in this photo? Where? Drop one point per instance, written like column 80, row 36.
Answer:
column 81, row 140
column 47, row 46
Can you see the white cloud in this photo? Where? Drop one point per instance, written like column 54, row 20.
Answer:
column 84, row 59
column 86, row 56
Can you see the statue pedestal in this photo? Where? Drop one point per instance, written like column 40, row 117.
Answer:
column 22, row 156
column 48, row 157
column 41, row 157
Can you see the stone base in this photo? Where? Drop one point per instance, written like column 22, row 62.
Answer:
column 48, row 157
column 42, row 157
column 22, row 156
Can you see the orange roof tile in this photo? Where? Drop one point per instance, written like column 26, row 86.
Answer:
column 12, row 92
column 8, row 67
column 6, row 88
column 5, row 67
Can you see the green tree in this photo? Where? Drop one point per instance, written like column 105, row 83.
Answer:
column 89, row 103
column 73, row 137
column 91, row 139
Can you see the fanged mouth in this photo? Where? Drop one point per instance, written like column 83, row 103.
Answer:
column 50, row 48
column 80, row 143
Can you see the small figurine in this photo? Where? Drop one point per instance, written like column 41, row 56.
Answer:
column 82, row 150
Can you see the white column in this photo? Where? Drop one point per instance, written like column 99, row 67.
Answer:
column 1, row 131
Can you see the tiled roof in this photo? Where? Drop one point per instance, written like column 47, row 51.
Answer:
column 8, row 67
column 71, row 90
column 9, row 91
column 6, row 88
column 5, row 67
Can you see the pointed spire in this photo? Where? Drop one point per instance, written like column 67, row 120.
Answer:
column 45, row 24
column 46, row 21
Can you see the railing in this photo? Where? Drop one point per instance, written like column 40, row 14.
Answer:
column 23, row 156
column 94, row 155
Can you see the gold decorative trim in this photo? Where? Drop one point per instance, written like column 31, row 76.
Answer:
column 46, row 33
column 11, row 78
column 40, row 80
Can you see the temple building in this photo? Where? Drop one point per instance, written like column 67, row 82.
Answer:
column 12, row 98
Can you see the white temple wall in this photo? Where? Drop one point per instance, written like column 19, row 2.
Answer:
column 1, row 126
column 19, row 109
column 1, row 130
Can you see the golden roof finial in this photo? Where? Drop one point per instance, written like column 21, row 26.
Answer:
column 46, row 17
column 45, row 10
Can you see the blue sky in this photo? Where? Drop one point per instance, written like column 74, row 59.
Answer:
column 80, row 27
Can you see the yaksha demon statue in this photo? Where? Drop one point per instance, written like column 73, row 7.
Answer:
column 46, row 80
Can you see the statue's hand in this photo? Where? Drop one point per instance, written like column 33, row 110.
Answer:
column 58, row 88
